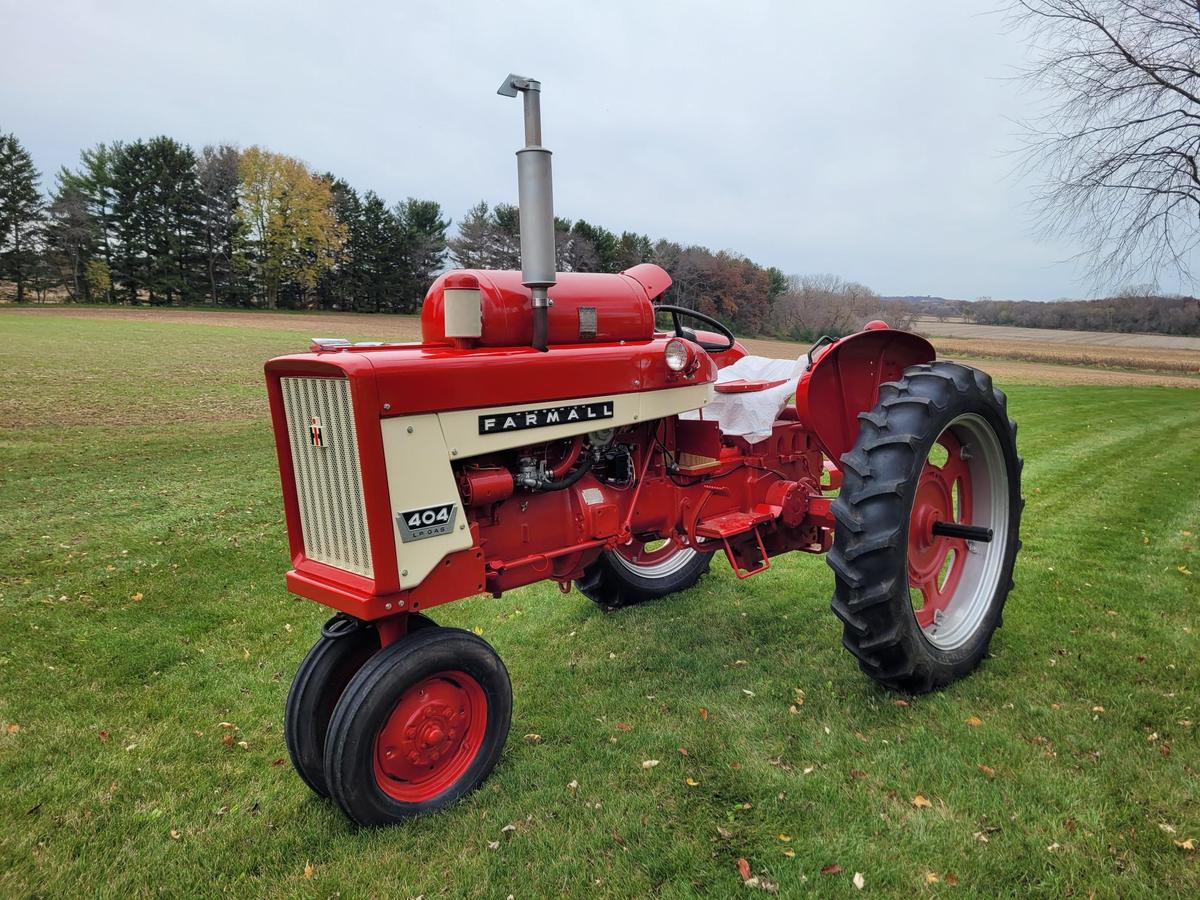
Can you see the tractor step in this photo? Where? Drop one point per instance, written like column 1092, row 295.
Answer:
column 731, row 524
column 735, row 525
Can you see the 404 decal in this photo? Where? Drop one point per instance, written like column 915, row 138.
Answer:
column 426, row 522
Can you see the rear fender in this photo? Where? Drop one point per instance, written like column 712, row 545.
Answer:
column 844, row 381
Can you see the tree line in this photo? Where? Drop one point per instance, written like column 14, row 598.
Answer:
column 154, row 221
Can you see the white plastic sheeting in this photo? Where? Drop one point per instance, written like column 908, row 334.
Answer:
column 750, row 414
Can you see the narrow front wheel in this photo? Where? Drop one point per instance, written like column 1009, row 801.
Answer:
column 421, row 725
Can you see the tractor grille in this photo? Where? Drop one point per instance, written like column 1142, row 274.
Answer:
column 324, row 446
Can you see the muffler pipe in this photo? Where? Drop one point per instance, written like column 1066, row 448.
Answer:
column 536, row 203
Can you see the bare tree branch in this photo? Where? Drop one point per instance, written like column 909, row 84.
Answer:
column 1117, row 148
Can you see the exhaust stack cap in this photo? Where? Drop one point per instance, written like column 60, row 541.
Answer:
column 535, row 193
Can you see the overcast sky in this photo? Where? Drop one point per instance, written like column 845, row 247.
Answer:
column 870, row 139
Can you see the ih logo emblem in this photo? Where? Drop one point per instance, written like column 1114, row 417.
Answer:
column 426, row 522
column 316, row 436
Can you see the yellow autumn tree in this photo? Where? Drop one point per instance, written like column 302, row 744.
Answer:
column 288, row 215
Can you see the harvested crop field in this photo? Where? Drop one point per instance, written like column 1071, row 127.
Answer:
column 1057, row 336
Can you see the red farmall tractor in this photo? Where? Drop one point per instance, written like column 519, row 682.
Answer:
column 545, row 429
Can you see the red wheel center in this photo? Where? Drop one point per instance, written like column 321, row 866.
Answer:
column 928, row 554
column 434, row 732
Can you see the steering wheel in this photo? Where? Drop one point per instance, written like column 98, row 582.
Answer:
column 681, row 311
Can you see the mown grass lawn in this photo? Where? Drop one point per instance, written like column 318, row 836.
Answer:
column 141, row 560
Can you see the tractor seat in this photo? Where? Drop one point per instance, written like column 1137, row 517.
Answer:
column 750, row 395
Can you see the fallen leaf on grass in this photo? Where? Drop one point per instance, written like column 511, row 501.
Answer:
column 900, row 702
column 227, row 740
column 624, row 726
column 1055, row 847
column 649, row 763
column 724, row 832
column 1183, row 570
column 974, row 721
column 493, row 845
column 931, row 878
column 12, row 727
column 857, row 773
column 785, row 837
column 743, row 867
column 921, row 802
column 831, row 869
column 859, row 881
column 573, row 786
column 308, row 870
column 683, row 751
column 987, row 770
column 981, row 837
column 1168, row 829
column 748, row 693
column 243, row 745
column 477, row 630
column 104, row 736
column 951, row 879
column 789, row 853
column 692, row 782
column 278, row 761
column 533, row 738
column 704, row 713
column 136, row 598
column 175, row 835
column 508, row 829
column 1188, row 844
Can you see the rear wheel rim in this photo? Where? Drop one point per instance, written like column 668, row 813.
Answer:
column 431, row 737
column 954, row 581
column 654, row 559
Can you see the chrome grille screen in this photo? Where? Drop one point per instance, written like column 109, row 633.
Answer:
column 320, row 420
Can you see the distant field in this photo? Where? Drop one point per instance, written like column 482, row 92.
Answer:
column 1057, row 336
column 1043, row 360
column 148, row 644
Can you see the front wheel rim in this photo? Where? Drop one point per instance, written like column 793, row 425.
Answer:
column 431, row 737
column 666, row 559
column 955, row 581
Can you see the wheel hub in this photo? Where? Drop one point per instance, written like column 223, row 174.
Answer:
column 935, row 563
column 431, row 736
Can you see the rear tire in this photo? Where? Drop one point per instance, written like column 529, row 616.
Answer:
column 421, row 725
column 319, row 683
column 632, row 574
column 895, row 487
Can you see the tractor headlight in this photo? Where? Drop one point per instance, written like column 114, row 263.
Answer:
column 678, row 355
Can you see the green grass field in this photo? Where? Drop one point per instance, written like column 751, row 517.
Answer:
column 148, row 643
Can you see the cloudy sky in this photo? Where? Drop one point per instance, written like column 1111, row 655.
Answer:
column 870, row 139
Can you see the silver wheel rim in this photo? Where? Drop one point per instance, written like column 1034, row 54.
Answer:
column 977, row 587
column 668, row 565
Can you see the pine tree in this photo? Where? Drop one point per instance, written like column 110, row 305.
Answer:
column 220, row 231
column 72, row 236
column 20, row 211
column 424, row 239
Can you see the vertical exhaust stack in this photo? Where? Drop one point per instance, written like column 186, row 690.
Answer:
column 536, row 199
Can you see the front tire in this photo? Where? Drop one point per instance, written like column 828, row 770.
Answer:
column 344, row 646
column 421, row 725
column 636, row 572
column 919, row 609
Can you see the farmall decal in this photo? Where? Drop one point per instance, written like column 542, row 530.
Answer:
column 427, row 522
column 316, row 435
column 542, row 418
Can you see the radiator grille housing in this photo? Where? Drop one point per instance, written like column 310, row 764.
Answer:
column 328, row 481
